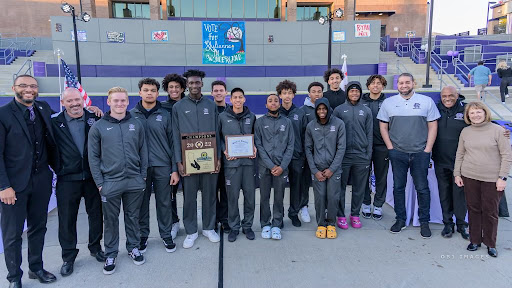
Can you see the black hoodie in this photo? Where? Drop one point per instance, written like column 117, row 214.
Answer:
column 374, row 106
column 299, row 122
column 359, row 126
column 336, row 98
column 449, row 127
column 231, row 123
column 325, row 143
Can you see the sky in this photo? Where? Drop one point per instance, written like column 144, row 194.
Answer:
column 455, row 16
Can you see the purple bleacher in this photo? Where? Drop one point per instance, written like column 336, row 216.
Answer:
column 6, row 57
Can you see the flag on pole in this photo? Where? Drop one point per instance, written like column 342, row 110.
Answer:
column 344, row 82
column 72, row 82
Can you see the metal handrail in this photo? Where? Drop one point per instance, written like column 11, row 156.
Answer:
column 27, row 71
column 11, row 48
column 400, row 71
column 498, row 100
column 417, row 55
column 383, row 45
column 489, row 106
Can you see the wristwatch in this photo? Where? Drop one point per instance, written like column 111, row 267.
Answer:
column 503, row 178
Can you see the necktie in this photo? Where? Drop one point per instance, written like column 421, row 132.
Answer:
column 32, row 113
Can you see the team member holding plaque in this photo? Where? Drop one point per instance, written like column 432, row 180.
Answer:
column 195, row 126
column 236, row 126
column 274, row 140
column 325, row 148
column 286, row 90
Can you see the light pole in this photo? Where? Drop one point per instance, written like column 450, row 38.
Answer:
column 487, row 19
column 67, row 8
column 429, row 53
column 338, row 14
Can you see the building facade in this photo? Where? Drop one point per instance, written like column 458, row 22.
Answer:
column 398, row 17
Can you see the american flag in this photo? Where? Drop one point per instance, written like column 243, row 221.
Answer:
column 71, row 81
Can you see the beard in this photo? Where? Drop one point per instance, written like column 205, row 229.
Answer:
column 408, row 92
column 25, row 101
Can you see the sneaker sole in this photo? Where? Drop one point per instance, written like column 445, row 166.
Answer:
column 109, row 272
column 188, row 247
column 143, row 251
column 426, row 237
column 366, row 216
column 138, row 263
column 377, row 218
column 170, row 250
column 393, row 232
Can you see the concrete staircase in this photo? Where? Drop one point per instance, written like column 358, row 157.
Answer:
column 7, row 71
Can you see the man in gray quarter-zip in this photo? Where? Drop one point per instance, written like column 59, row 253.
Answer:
column 118, row 158
column 356, row 162
column 192, row 114
column 162, row 171
column 239, row 172
column 274, row 139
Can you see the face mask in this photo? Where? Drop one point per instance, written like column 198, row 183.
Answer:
column 273, row 112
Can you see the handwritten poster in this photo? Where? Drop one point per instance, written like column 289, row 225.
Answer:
column 362, row 29
column 160, row 35
column 223, row 42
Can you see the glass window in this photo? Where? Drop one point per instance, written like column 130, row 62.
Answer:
column 187, row 8
column 262, row 11
column 173, row 8
column 300, row 13
column 212, row 8
column 199, row 9
column 310, row 13
column 145, row 11
column 274, row 11
column 118, row 10
column 237, row 9
column 250, row 9
column 225, row 8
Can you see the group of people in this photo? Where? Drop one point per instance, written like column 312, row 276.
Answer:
column 334, row 139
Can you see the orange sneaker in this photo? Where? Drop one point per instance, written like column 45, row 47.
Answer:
column 331, row 232
column 321, row 232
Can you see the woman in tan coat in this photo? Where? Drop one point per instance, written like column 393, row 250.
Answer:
column 482, row 165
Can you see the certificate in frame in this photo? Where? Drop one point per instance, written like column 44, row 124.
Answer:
column 240, row 146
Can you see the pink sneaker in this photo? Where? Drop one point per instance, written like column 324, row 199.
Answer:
column 355, row 221
column 342, row 222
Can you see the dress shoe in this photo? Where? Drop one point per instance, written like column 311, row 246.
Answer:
column 67, row 268
column 100, row 256
column 15, row 284
column 492, row 252
column 464, row 231
column 473, row 247
column 43, row 276
column 448, row 231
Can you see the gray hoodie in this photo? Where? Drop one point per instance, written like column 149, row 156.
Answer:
column 158, row 129
column 193, row 116
column 117, row 149
column 359, row 126
column 274, row 140
column 236, row 124
column 299, row 122
column 309, row 110
column 325, row 143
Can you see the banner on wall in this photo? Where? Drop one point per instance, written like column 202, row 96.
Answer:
column 223, row 42
column 82, row 35
column 362, row 30
column 338, row 36
column 115, row 37
column 160, row 35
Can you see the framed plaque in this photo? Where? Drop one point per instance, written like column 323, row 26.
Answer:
column 240, row 146
column 199, row 152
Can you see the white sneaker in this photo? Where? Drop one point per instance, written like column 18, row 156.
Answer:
column 304, row 214
column 265, row 232
column 377, row 213
column 175, row 229
column 506, row 96
column 189, row 241
column 212, row 235
column 366, row 211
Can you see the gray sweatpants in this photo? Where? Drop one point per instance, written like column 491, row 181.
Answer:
column 359, row 174
column 267, row 182
column 129, row 191
column 158, row 181
column 207, row 183
column 327, row 195
column 240, row 178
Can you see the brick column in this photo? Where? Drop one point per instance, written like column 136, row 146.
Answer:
column 103, row 8
column 164, row 9
column 88, row 6
column 154, row 9
column 292, row 10
column 349, row 10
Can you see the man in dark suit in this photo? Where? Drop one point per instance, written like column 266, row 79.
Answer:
column 27, row 147
column 74, row 179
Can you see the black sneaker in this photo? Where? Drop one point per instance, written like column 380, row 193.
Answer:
column 448, row 231
column 464, row 231
column 110, row 266
column 143, row 244
column 169, row 245
column 473, row 247
column 226, row 228
column 232, row 235
column 137, row 257
column 249, row 234
column 397, row 227
column 425, row 231
column 295, row 220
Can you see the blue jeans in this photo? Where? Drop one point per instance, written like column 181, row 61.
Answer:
column 418, row 163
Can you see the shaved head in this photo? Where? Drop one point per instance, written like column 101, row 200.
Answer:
column 70, row 92
column 449, row 89
column 72, row 100
column 449, row 96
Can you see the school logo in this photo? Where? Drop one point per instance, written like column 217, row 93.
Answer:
column 62, row 125
column 228, row 182
column 131, row 127
column 333, row 129
column 205, row 111
column 416, row 106
column 247, row 121
column 459, row 116
column 204, row 157
column 282, row 127
column 91, row 122
column 296, row 117
column 159, row 118
column 361, row 113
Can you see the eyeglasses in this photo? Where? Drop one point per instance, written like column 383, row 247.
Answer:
column 24, row 86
